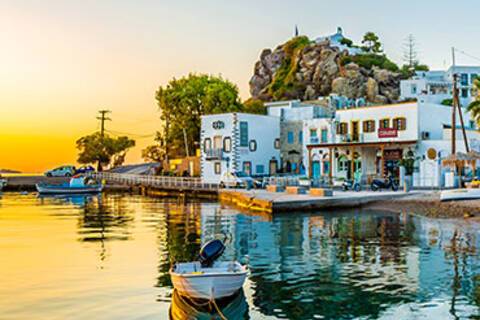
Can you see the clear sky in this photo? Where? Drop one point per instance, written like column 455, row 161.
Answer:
column 61, row 61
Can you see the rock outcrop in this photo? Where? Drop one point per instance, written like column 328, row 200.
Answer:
column 300, row 69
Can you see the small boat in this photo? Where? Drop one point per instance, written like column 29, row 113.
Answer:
column 207, row 278
column 460, row 194
column 77, row 185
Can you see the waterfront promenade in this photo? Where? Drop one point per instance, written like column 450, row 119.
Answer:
column 253, row 200
column 278, row 202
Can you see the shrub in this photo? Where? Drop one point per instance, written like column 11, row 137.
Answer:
column 283, row 83
column 367, row 61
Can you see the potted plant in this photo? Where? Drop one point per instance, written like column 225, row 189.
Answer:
column 408, row 163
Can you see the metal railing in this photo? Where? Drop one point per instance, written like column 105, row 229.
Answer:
column 214, row 154
column 156, row 181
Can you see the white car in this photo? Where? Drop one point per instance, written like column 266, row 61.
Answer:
column 63, row 171
column 236, row 180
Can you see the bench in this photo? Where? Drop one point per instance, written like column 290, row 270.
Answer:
column 296, row 190
column 321, row 192
column 274, row 188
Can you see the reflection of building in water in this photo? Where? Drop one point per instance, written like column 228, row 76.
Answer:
column 451, row 249
column 321, row 263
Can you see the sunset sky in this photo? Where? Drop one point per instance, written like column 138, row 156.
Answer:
column 61, row 61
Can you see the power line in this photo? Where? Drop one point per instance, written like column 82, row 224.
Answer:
column 467, row 54
column 117, row 133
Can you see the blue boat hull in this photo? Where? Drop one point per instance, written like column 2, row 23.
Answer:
column 65, row 189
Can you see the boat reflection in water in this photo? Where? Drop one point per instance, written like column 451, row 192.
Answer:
column 74, row 199
column 232, row 308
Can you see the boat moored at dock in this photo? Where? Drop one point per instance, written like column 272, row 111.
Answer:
column 460, row 194
column 77, row 185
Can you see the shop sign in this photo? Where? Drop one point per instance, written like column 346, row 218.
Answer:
column 387, row 133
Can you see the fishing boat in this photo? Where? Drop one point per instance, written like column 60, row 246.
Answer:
column 460, row 194
column 207, row 278
column 77, row 185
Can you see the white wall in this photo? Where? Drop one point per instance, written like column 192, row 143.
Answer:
column 263, row 129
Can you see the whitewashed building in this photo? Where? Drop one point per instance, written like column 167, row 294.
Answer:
column 335, row 40
column 373, row 140
column 239, row 142
column 436, row 86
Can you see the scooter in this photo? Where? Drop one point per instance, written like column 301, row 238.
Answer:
column 351, row 185
column 388, row 183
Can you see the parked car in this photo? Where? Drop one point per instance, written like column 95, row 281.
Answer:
column 85, row 169
column 63, row 171
column 231, row 179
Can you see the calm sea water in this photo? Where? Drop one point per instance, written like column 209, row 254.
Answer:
column 108, row 258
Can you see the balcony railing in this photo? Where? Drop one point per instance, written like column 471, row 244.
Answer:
column 348, row 138
column 214, row 154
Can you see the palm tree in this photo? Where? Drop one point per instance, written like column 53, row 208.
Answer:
column 474, row 107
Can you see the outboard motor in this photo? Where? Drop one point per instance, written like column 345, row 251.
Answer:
column 210, row 252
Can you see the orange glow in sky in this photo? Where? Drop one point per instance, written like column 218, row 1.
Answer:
column 61, row 61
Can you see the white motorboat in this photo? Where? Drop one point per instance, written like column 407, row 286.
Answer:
column 460, row 194
column 208, row 279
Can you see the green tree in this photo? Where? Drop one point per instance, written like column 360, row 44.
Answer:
column 255, row 106
column 183, row 101
column 474, row 107
column 372, row 43
column 99, row 149
column 155, row 152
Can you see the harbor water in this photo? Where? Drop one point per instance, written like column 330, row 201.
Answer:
column 108, row 256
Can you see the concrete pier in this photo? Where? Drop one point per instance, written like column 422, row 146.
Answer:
column 275, row 202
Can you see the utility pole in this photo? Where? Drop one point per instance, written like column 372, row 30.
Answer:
column 185, row 140
column 102, row 119
column 456, row 105
column 454, row 102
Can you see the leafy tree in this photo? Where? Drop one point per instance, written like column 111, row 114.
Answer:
column 408, row 71
column 347, row 42
column 372, row 43
column 255, row 106
column 183, row 101
column 369, row 60
column 155, row 152
column 102, row 149
column 474, row 107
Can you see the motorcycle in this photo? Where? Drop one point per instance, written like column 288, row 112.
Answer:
column 388, row 183
column 351, row 185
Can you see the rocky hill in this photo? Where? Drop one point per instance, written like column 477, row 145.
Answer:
column 303, row 69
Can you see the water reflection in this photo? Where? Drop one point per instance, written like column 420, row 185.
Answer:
column 232, row 308
column 331, row 265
